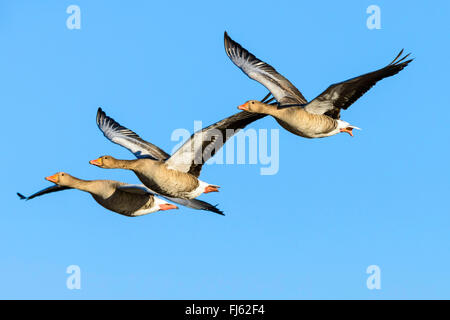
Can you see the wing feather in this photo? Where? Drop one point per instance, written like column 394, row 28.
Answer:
column 196, row 204
column 343, row 94
column 280, row 87
column 51, row 189
column 128, row 139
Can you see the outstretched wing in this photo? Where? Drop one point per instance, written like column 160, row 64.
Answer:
column 51, row 189
column 280, row 87
column 343, row 94
column 128, row 139
column 204, row 144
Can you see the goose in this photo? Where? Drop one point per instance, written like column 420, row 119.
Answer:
column 320, row 117
column 125, row 199
column 135, row 192
column 175, row 175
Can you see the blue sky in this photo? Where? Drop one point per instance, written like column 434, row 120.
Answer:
column 335, row 207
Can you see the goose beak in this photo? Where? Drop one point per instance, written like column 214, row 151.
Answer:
column 53, row 178
column 243, row 107
column 209, row 189
column 96, row 162
column 167, row 206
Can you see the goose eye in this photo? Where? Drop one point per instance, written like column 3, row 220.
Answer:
column 62, row 174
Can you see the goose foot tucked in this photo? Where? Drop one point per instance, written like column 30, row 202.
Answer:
column 209, row 189
column 167, row 206
column 349, row 130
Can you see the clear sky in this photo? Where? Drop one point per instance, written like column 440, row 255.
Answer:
column 335, row 206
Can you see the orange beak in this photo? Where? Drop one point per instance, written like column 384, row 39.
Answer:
column 243, row 107
column 348, row 130
column 53, row 178
column 209, row 189
column 167, row 206
column 97, row 162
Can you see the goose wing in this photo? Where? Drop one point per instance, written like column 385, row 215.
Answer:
column 343, row 94
column 280, row 87
column 128, row 139
column 51, row 189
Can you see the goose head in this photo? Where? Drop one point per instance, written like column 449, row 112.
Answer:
column 60, row 178
column 106, row 162
column 254, row 106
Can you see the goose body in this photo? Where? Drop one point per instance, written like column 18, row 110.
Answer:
column 299, row 122
column 177, row 175
column 130, row 203
column 165, row 180
column 158, row 176
column 315, row 119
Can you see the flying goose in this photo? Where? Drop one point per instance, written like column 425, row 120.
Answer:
column 176, row 175
column 321, row 116
column 128, row 200
column 134, row 189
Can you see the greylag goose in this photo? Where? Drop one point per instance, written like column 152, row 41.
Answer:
column 176, row 175
column 135, row 193
column 321, row 116
column 128, row 200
